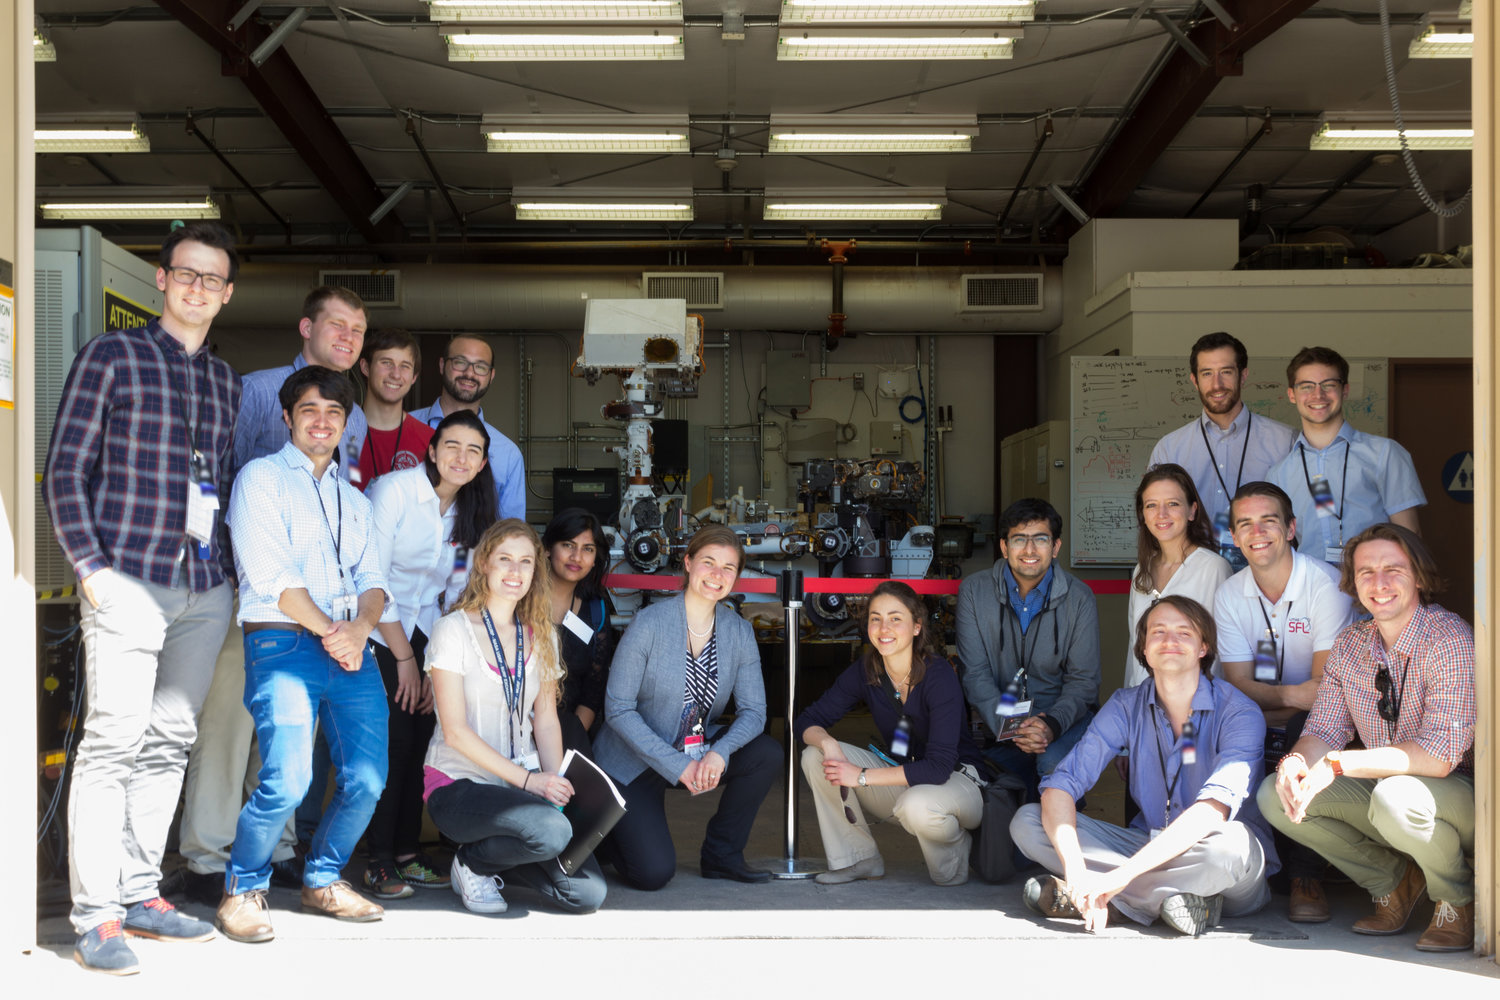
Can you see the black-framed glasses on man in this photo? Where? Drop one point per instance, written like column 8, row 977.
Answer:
column 187, row 276
column 461, row 364
column 1327, row 387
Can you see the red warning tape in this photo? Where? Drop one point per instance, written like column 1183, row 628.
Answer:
column 822, row 584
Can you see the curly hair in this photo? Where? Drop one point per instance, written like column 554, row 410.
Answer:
column 534, row 610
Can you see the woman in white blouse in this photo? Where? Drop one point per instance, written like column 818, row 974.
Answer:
column 422, row 518
column 1175, row 549
column 491, row 768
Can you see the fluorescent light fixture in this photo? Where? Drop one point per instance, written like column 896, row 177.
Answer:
column 811, row 205
column 126, row 203
column 873, row 44
column 1375, row 133
column 42, row 49
column 95, row 134
column 564, row 45
column 872, row 134
column 585, row 133
column 545, row 11
column 794, row 12
column 1442, row 39
column 601, row 205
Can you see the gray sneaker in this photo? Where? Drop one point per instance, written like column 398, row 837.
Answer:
column 1188, row 914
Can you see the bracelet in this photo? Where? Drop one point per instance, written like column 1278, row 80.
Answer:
column 1287, row 757
column 403, row 659
column 526, row 784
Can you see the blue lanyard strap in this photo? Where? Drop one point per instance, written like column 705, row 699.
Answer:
column 513, row 681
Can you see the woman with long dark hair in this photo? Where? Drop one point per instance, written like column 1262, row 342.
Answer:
column 1175, row 549
column 577, row 553
column 931, row 783
column 423, row 518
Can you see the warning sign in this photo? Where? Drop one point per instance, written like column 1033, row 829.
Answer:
column 121, row 313
column 1458, row 477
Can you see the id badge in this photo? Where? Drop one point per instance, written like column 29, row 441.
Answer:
column 1227, row 548
column 530, row 761
column 693, row 745
column 343, row 607
column 578, row 627
column 1322, row 497
column 202, row 506
column 1333, row 554
column 1156, row 831
column 1010, row 723
column 1265, row 662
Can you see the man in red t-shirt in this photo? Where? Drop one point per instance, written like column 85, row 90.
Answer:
column 395, row 440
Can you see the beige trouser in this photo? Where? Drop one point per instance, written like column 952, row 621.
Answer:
column 223, row 767
column 939, row 816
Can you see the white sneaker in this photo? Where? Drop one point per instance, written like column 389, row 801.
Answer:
column 480, row 893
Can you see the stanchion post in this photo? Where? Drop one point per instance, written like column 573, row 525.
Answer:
column 791, row 601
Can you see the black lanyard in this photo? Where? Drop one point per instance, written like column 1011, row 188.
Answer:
column 1276, row 644
column 1344, row 486
column 513, row 681
column 336, row 537
column 1244, row 450
column 1162, row 759
column 1022, row 679
column 1397, row 697
column 198, row 467
column 370, row 446
column 704, row 670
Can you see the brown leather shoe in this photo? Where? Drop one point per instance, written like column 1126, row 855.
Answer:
column 1452, row 928
column 244, row 917
column 1309, row 905
column 338, row 899
column 1394, row 910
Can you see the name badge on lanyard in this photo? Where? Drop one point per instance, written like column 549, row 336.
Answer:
column 202, row 504
column 578, row 627
column 1322, row 496
column 693, row 744
column 1225, row 534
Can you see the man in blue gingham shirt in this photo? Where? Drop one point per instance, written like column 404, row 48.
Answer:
column 311, row 591
column 142, row 440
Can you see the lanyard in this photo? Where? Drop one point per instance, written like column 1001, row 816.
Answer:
column 1397, row 696
column 338, row 537
column 1244, row 449
column 1022, row 679
column 1162, row 759
column 702, row 684
column 198, row 467
column 513, row 681
column 1279, row 646
column 370, row 447
column 1344, row 486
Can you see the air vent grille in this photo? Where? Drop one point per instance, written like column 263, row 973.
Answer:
column 701, row 289
column 54, row 356
column 1002, row 292
column 378, row 289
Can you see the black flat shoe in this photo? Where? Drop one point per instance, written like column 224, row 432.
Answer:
column 734, row 871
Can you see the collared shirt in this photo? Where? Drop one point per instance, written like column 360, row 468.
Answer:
column 412, row 535
column 118, row 469
column 261, row 431
column 1304, row 621
column 1381, row 481
column 291, row 530
column 505, row 462
column 1230, row 736
column 1219, row 469
column 1432, row 676
column 1028, row 607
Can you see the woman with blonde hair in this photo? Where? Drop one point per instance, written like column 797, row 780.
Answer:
column 491, row 770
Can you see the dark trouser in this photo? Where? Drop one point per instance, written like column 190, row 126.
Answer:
column 1297, row 860
column 396, row 827
column 574, row 735
column 502, row 830
column 640, row 846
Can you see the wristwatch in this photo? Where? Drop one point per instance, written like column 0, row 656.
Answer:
column 1335, row 763
column 862, row 782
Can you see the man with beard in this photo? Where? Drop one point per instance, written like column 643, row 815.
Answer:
column 468, row 367
column 1228, row 445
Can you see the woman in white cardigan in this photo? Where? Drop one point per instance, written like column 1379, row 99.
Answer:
column 1175, row 549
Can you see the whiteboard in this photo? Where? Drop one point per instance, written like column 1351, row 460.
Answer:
column 1122, row 406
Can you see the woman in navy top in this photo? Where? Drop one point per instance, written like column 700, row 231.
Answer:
column 576, row 553
column 917, row 704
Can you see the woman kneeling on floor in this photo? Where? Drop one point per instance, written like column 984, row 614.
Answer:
column 917, row 704
column 491, row 769
column 1199, row 846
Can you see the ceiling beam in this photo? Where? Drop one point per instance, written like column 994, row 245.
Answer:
column 1175, row 96
column 281, row 90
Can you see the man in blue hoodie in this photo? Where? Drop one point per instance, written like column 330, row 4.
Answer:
column 1028, row 639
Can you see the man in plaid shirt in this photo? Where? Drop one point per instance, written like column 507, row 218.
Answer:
column 140, row 449
column 1398, row 816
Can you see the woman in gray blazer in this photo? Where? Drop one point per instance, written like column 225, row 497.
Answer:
column 673, row 674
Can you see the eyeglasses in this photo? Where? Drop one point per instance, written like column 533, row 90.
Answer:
column 1326, row 387
column 848, row 813
column 186, row 276
column 1386, row 706
column 1027, row 541
column 459, row 364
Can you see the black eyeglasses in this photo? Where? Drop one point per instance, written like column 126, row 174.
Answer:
column 848, row 813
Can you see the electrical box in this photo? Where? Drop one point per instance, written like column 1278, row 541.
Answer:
column 789, row 379
column 886, row 437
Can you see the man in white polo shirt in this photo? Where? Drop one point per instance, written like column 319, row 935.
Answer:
column 1277, row 620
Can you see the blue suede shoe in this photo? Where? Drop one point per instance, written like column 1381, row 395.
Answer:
column 103, row 949
column 161, row 921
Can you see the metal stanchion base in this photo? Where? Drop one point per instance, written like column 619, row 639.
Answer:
column 783, row 869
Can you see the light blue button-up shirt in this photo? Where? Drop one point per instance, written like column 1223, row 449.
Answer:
column 292, row 531
column 505, row 461
column 261, row 431
column 1382, row 481
column 1228, row 460
column 1230, row 736
column 1028, row 607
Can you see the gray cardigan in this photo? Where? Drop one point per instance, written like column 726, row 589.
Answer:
column 1061, row 643
column 647, row 680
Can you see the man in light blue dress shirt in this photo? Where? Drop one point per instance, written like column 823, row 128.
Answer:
column 1340, row 480
column 468, row 367
column 1228, row 445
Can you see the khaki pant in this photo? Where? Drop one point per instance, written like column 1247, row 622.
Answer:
column 1367, row 828
column 939, row 816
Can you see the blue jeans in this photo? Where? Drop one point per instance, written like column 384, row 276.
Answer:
column 290, row 680
column 1031, row 768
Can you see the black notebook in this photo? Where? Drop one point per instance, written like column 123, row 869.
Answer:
column 594, row 809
